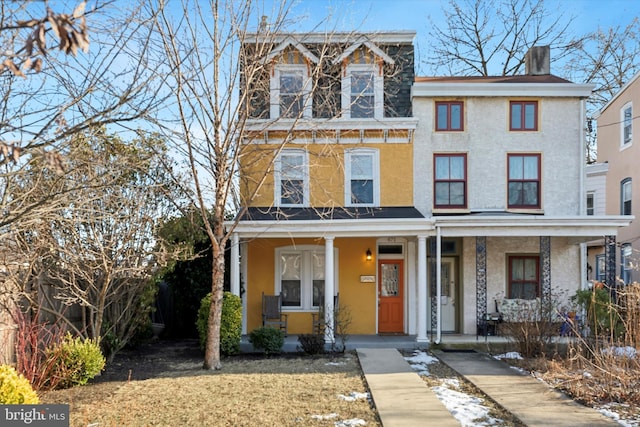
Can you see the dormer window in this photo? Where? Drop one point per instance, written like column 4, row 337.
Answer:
column 290, row 96
column 291, row 82
column 363, row 81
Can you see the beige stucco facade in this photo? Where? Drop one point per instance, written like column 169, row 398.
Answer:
column 622, row 159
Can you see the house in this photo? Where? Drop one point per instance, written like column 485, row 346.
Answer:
column 619, row 149
column 595, row 199
column 414, row 202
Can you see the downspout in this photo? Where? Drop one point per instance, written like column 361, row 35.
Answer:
column 438, row 286
column 583, row 196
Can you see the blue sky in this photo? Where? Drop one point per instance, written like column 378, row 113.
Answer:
column 416, row 15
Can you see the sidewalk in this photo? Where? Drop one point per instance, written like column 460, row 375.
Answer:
column 533, row 402
column 403, row 399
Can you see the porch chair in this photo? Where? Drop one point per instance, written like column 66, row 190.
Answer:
column 318, row 317
column 272, row 312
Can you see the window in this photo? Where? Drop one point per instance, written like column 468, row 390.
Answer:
column 362, row 94
column 523, row 115
column 600, row 268
column 300, row 276
column 290, row 92
column 626, row 262
column 291, row 178
column 524, row 181
column 524, row 277
column 625, row 197
column 361, row 177
column 627, row 125
column 362, row 89
column 590, row 203
column 449, row 116
column 450, row 180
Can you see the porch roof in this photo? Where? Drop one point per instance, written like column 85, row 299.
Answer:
column 578, row 229
column 337, row 222
column 408, row 221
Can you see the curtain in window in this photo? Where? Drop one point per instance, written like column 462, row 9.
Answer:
column 291, row 279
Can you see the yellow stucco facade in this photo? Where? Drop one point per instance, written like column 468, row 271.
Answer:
column 357, row 300
column 327, row 173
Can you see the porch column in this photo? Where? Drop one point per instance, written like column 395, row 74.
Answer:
column 481, row 284
column 235, row 264
column 329, row 291
column 545, row 264
column 422, row 289
column 610, row 261
column 438, row 286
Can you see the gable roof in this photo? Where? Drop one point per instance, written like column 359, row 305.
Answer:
column 290, row 41
column 372, row 47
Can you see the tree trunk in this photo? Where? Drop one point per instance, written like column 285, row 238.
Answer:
column 212, row 349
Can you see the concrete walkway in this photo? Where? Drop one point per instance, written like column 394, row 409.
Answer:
column 403, row 399
column 529, row 399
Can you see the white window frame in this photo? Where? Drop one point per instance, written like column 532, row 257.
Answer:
column 375, row 159
column 626, row 195
column 591, row 210
column 626, row 142
column 306, row 273
column 279, row 175
column 274, row 91
column 378, row 90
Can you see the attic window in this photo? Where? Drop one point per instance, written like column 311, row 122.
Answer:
column 363, row 81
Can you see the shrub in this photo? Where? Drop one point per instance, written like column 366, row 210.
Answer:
column 603, row 317
column 230, row 323
column 531, row 325
column 311, row 343
column 77, row 360
column 15, row 389
column 269, row 340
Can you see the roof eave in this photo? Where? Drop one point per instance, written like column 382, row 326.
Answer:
column 492, row 89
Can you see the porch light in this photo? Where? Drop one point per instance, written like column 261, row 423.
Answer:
column 368, row 254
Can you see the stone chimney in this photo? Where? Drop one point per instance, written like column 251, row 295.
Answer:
column 537, row 61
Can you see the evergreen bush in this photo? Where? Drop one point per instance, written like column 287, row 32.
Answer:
column 77, row 360
column 15, row 389
column 269, row 340
column 230, row 323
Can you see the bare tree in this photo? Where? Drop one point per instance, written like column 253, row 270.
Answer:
column 89, row 260
column 608, row 58
column 491, row 37
column 211, row 101
column 108, row 86
column 24, row 36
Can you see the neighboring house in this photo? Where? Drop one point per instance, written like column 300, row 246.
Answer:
column 596, row 197
column 461, row 190
column 619, row 147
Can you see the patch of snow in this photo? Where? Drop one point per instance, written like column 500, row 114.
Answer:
column 350, row 423
column 335, row 364
column 629, row 352
column 468, row 410
column 325, row 417
column 421, row 370
column 509, row 355
column 420, row 357
column 353, row 396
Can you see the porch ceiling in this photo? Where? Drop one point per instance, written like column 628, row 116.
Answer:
column 579, row 229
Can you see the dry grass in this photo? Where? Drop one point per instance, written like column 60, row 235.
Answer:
column 282, row 391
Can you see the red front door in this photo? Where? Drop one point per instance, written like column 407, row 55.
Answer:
column 390, row 296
